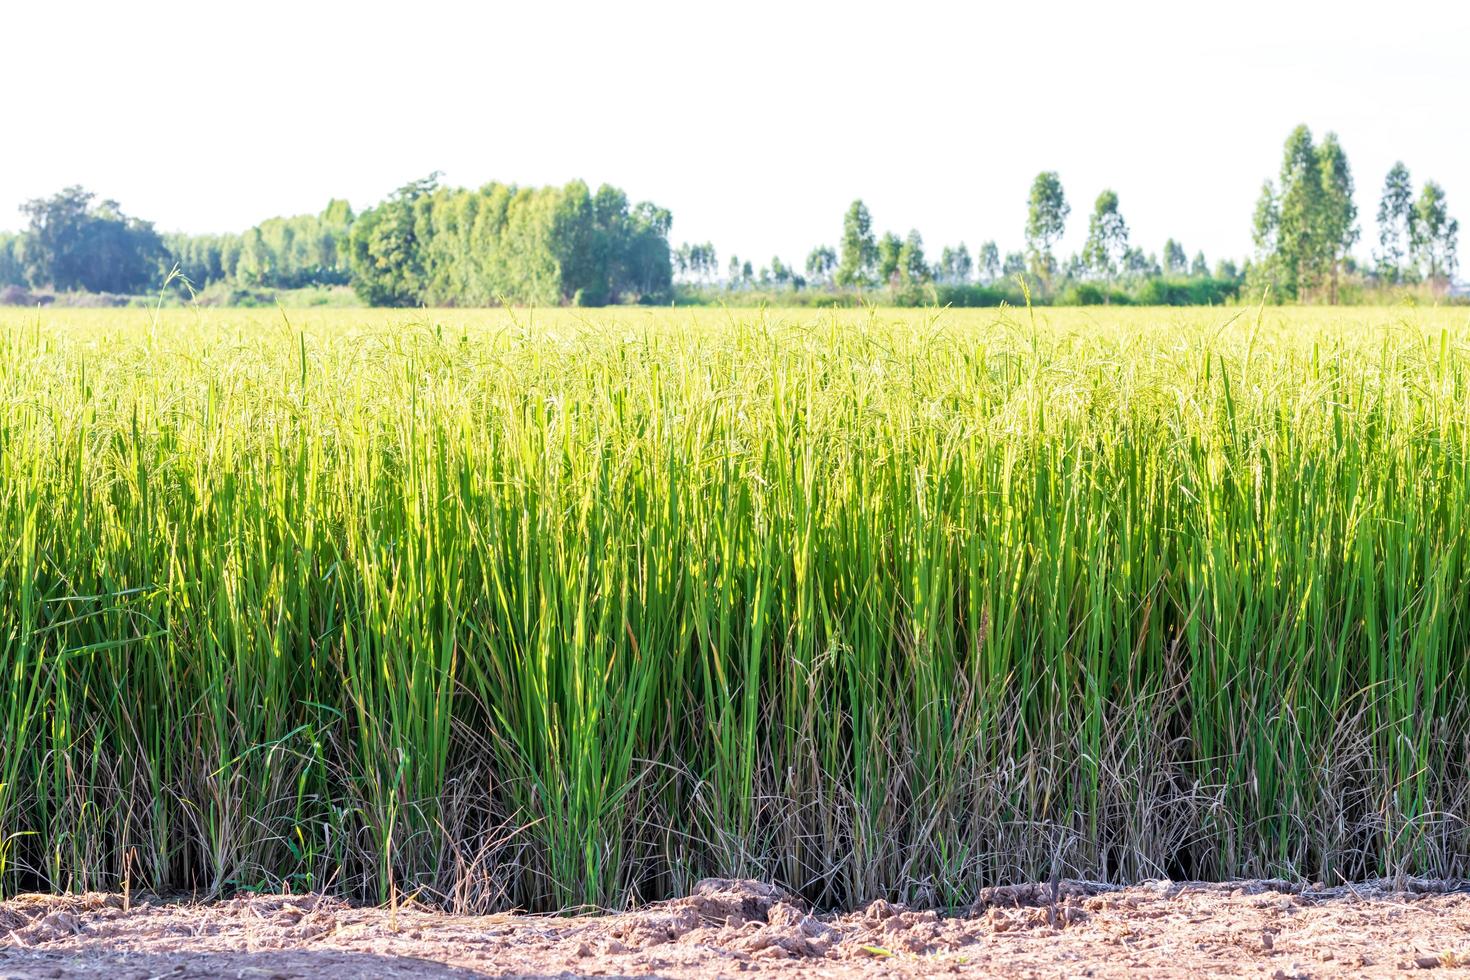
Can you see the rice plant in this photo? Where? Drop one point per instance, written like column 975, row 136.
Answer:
column 559, row 611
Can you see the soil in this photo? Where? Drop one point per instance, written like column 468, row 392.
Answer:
column 1164, row 929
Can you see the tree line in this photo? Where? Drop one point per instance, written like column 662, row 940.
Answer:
column 1305, row 226
column 435, row 245
column 426, row 244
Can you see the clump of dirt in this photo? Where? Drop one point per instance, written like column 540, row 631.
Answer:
column 30, row 919
column 731, row 914
column 1267, row 928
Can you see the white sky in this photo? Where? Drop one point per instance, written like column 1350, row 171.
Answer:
column 756, row 123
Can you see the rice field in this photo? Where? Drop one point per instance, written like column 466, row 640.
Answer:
column 571, row 609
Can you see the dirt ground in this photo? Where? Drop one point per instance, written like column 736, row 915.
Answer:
column 1165, row 929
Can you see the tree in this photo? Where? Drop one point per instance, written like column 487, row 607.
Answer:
column 696, row 261
column 387, row 267
column 12, row 262
column 1306, row 224
column 955, row 265
column 820, row 264
column 1046, row 220
column 912, row 268
column 1396, row 230
column 989, row 262
column 706, row 261
column 1199, row 268
column 1265, row 228
column 1014, row 265
column 1298, row 235
column 1337, row 219
column 889, row 248
column 1137, row 265
column 1107, row 236
column 780, row 274
column 72, row 244
column 1436, row 236
column 435, row 245
column 859, row 250
column 1176, row 263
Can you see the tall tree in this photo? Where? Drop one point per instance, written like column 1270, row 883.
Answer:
column 1137, row 265
column 696, row 261
column 1266, row 226
column 955, row 265
column 1199, row 268
column 859, row 250
column 1299, row 235
column 1395, row 224
column 1107, row 236
column 387, row 262
column 12, row 263
column 912, row 269
column 1436, row 236
column 1305, row 224
column 889, row 248
column 1338, row 217
column 1046, row 220
column 1176, row 263
column 74, row 244
column 989, row 262
column 820, row 264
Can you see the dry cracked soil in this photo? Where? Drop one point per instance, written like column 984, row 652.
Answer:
column 727, row 928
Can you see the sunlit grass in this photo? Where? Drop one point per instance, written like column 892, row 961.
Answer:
column 550, row 611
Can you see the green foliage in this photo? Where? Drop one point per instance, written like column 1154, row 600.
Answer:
column 989, row 262
column 1339, row 215
column 872, row 605
column 1435, row 236
column 1396, row 231
column 385, row 254
column 1176, row 262
column 821, row 265
column 1107, row 237
column 1046, row 220
column 912, row 268
column 890, row 251
column 547, row 246
column 1180, row 291
column 859, row 250
column 1305, row 227
column 12, row 260
column 955, row 265
column 697, row 262
column 72, row 243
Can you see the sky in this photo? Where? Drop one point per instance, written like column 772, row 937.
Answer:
column 756, row 124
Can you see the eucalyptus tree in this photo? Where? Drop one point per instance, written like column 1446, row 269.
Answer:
column 1436, row 236
column 859, row 250
column 1046, row 220
column 1107, row 237
column 1396, row 225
